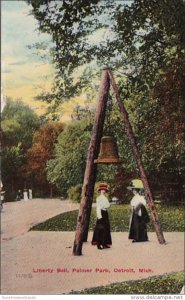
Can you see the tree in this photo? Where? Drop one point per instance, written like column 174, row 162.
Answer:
column 145, row 42
column 37, row 156
column 12, row 160
column 19, row 122
column 139, row 37
column 66, row 169
column 70, row 24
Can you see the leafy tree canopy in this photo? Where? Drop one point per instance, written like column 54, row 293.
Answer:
column 144, row 41
column 140, row 38
column 67, row 167
column 42, row 150
column 19, row 122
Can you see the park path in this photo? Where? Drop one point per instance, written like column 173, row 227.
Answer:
column 42, row 262
column 18, row 217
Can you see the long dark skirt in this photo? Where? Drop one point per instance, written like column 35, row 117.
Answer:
column 102, row 235
column 138, row 228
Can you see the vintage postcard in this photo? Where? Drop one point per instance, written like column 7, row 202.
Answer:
column 92, row 148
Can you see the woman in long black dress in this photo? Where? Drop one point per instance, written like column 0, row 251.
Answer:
column 102, row 236
column 139, row 218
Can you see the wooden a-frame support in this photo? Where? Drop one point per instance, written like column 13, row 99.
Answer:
column 91, row 168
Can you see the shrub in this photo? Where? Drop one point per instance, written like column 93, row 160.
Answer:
column 74, row 193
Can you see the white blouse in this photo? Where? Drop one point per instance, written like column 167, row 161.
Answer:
column 102, row 203
column 136, row 200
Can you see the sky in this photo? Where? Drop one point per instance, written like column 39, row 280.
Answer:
column 24, row 75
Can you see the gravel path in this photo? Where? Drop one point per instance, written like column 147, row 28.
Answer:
column 42, row 262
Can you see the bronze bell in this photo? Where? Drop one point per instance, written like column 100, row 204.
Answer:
column 108, row 152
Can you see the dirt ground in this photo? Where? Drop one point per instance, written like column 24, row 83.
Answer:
column 42, row 262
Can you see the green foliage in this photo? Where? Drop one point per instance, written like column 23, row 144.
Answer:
column 70, row 24
column 68, row 166
column 11, row 162
column 143, row 37
column 19, row 122
column 165, row 284
column 18, row 125
column 145, row 43
column 74, row 193
column 172, row 219
column 155, row 96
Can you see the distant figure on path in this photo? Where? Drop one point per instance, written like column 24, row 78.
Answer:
column 19, row 195
column 25, row 194
column 140, row 217
column 102, row 235
column 2, row 195
column 30, row 194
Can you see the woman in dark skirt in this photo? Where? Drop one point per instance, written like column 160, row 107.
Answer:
column 102, row 235
column 140, row 217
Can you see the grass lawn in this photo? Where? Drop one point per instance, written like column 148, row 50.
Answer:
column 171, row 218
column 166, row 284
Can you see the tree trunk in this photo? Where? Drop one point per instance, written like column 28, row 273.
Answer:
column 51, row 192
column 135, row 150
column 91, row 168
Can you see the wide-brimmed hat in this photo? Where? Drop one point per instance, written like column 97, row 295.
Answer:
column 136, row 184
column 103, row 187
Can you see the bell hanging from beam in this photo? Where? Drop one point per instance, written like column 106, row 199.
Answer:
column 108, row 152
